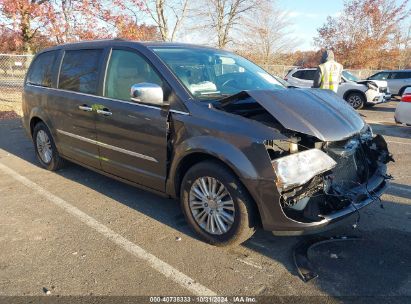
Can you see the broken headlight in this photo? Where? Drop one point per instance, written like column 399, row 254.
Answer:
column 298, row 168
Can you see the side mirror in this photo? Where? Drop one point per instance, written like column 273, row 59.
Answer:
column 148, row 93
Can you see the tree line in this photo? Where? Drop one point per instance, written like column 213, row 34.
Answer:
column 367, row 34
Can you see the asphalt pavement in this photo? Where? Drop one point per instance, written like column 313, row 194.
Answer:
column 76, row 232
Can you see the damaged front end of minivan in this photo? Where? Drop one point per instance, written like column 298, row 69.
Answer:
column 330, row 166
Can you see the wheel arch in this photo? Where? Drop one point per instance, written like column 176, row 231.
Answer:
column 194, row 158
column 37, row 115
column 349, row 92
column 401, row 91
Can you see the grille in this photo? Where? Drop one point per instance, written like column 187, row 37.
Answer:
column 346, row 172
column 350, row 168
column 383, row 90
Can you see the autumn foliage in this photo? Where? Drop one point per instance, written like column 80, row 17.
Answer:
column 369, row 34
column 27, row 25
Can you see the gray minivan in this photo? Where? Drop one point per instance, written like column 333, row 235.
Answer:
column 209, row 127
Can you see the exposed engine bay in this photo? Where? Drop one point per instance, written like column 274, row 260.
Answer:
column 357, row 160
column 352, row 165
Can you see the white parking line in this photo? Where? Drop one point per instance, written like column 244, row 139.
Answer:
column 400, row 188
column 157, row 264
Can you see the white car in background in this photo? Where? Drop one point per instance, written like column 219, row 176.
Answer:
column 358, row 93
column 403, row 111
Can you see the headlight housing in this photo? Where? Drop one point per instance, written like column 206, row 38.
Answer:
column 298, row 168
column 372, row 86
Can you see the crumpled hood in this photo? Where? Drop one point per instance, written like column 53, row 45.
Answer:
column 378, row 83
column 316, row 112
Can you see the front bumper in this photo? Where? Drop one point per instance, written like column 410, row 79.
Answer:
column 375, row 97
column 371, row 192
column 276, row 219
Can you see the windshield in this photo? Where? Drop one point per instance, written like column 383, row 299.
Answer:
column 213, row 74
column 347, row 75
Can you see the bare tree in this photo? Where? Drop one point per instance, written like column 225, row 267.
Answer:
column 159, row 10
column 223, row 16
column 267, row 33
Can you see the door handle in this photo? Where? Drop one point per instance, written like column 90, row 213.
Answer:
column 105, row 112
column 85, row 108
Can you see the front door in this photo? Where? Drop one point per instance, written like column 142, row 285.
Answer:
column 132, row 136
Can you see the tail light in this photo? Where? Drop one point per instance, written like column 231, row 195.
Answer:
column 406, row 98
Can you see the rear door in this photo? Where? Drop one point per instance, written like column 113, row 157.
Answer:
column 399, row 80
column 73, row 117
column 132, row 136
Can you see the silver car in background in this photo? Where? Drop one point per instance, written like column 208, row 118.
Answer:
column 358, row 93
column 397, row 80
column 403, row 111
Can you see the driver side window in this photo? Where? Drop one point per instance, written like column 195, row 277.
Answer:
column 125, row 69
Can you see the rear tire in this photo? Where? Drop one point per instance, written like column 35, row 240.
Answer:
column 356, row 100
column 208, row 212
column 45, row 148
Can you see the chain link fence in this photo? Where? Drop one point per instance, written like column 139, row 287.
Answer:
column 13, row 69
column 12, row 72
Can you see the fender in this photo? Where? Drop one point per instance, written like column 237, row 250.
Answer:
column 217, row 148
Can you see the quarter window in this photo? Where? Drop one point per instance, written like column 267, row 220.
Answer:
column 125, row 69
column 79, row 71
column 41, row 70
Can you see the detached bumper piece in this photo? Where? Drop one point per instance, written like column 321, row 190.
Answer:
column 302, row 263
column 358, row 179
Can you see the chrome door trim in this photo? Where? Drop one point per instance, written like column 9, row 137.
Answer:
column 96, row 96
column 179, row 112
column 104, row 145
column 85, row 108
column 104, row 112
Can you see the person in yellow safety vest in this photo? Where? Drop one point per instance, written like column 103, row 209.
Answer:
column 328, row 74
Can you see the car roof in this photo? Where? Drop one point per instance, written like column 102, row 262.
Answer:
column 124, row 42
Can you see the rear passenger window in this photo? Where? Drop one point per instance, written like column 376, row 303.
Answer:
column 79, row 71
column 401, row 75
column 298, row 74
column 41, row 70
column 309, row 74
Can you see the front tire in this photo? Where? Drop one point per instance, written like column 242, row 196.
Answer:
column 45, row 148
column 356, row 100
column 216, row 205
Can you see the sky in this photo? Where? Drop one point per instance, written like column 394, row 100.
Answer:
column 307, row 16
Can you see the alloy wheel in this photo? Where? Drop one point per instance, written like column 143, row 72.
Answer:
column 211, row 205
column 44, row 148
column 355, row 101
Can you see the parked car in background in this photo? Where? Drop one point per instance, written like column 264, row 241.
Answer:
column 358, row 93
column 206, row 126
column 403, row 110
column 397, row 80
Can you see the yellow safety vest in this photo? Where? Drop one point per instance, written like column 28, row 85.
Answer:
column 331, row 75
